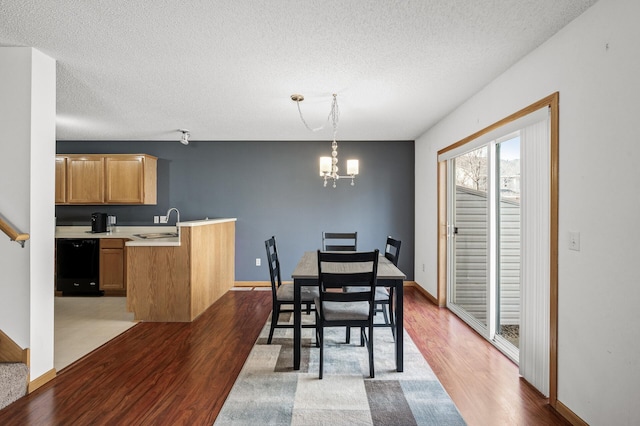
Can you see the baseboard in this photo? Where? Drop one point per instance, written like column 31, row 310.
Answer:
column 268, row 283
column 26, row 358
column 10, row 351
column 43, row 379
column 426, row 294
column 252, row 284
column 572, row 417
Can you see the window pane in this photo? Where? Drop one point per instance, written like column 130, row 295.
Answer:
column 470, row 283
column 508, row 223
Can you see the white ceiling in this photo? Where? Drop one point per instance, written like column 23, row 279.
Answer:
column 225, row 69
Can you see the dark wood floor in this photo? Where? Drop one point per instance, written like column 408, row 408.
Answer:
column 180, row 373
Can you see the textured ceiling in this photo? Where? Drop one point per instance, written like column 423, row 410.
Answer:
column 224, row 69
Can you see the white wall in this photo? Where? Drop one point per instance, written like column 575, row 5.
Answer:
column 27, row 149
column 15, row 149
column 594, row 63
column 42, row 201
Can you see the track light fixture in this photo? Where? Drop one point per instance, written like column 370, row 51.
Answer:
column 184, row 140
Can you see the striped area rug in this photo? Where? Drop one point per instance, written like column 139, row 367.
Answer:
column 269, row 391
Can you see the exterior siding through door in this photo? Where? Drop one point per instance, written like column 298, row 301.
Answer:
column 471, row 255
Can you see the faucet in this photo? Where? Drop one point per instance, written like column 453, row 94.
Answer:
column 177, row 219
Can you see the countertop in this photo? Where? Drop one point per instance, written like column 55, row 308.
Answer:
column 129, row 232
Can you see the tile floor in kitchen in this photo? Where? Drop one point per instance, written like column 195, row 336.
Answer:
column 82, row 324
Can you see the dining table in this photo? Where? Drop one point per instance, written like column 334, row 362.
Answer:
column 306, row 274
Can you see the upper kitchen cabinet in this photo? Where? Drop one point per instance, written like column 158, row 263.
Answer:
column 106, row 179
column 85, row 179
column 61, row 180
column 131, row 179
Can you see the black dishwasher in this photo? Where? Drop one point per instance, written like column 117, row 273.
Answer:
column 77, row 267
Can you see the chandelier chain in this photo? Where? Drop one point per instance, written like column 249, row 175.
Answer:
column 333, row 117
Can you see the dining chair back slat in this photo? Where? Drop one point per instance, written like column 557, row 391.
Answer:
column 339, row 241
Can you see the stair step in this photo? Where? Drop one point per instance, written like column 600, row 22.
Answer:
column 13, row 382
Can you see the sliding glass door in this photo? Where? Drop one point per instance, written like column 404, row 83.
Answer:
column 498, row 237
column 484, row 240
column 469, row 230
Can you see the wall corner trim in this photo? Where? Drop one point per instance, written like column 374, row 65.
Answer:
column 572, row 417
column 45, row 378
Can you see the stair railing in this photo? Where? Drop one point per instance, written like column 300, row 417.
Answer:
column 12, row 233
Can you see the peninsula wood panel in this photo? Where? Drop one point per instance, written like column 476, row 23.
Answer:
column 158, row 282
column 178, row 283
column 213, row 264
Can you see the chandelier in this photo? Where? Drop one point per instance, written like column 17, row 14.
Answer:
column 329, row 165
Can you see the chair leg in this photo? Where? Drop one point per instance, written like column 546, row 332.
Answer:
column 321, row 334
column 275, row 314
column 392, row 313
column 362, row 336
column 392, row 316
column 348, row 339
column 317, row 331
column 370, row 349
column 384, row 312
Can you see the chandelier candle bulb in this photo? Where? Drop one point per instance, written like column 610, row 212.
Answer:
column 325, row 165
column 352, row 167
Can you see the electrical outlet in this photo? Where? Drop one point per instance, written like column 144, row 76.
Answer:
column 156, row 219
column 574, row 241
column 164, row 219
column 258, row 263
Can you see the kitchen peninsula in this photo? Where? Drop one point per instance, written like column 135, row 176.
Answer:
column 176, row 283
column 173, row 279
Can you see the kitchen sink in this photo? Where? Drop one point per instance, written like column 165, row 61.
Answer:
column 153, row 235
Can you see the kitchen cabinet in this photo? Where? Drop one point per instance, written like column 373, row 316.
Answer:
column 61, row 180
column 131, row 179
column 85, row 180
column 93, row 179
column 112, row 267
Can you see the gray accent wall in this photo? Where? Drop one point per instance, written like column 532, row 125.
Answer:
column 272, row 188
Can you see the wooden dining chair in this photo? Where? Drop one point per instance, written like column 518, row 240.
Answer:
column 339, row 241
column 282, row 294
column 384, row 295
column 391, row 252
column 350, row 309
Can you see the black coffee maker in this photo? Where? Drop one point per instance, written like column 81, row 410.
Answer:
column 98, row 222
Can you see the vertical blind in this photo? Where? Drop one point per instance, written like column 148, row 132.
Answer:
column 535, row 248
